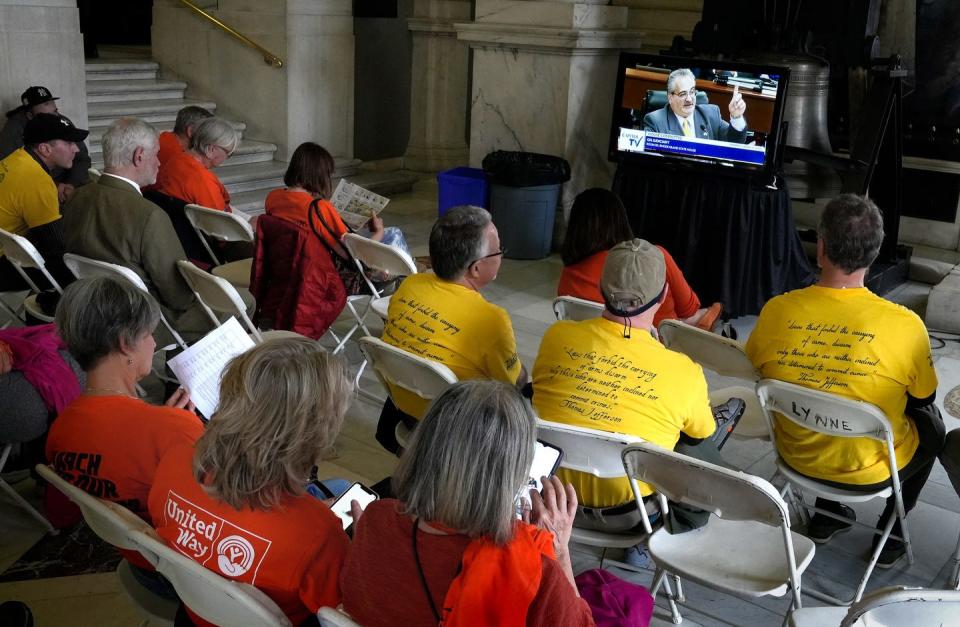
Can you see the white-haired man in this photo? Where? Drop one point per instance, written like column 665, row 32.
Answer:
column 112, row 221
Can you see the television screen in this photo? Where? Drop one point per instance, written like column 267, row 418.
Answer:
column 720, row 115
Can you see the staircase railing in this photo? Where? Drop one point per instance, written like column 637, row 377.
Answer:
column 268, row 57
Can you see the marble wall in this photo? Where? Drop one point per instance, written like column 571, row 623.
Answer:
column 40, row 44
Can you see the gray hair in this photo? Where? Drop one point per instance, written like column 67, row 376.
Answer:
column 468, row 458
column 456, row 240
column 677, row 75
column 851, row 228
column 189, row 116
column 99, row 316
column 121, row 140
column 214, row 132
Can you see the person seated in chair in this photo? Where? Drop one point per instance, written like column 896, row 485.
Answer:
column 188, row 176
column 837, row 336
column 28, row 195
column 598, row 221
column 442, row 316
column 177, row 141
column 281, row 406
column 683, row 116
column 107, row 441
column 111, row 221
column 610, row 373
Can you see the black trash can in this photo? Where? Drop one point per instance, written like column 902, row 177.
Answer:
column 524, row 192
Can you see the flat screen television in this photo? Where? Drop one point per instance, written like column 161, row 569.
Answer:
column 721, row 116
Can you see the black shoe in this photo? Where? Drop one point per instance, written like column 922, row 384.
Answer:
column 822, row 528
column 727, row 416
column 893, row 551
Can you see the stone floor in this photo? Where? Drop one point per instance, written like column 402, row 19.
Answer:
column 526, row 289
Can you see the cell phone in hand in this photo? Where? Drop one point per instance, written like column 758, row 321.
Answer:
column 357, row 492
column 546, row 460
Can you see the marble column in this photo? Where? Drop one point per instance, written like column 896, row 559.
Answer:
column 544, row 74
column 439, row 96
column 41, row 44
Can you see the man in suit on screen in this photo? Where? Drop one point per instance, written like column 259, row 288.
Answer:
column 683, row 116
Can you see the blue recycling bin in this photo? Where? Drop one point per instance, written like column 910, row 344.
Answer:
column 462, row 186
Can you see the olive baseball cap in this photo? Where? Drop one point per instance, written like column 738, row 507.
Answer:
column 634, row 272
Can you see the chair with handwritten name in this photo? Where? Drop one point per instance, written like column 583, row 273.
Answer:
column 573, row 308
column 838, row 417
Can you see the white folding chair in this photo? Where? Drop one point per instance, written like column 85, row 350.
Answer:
column 5, row 450
column 395, row 366
column 746, row 548
column 224, row 227
column 573, row 308
column 114, row 524
column 596, row 453
column 216, row 294
column 843, row 418
column 84, row 267
column 895, row 605
column 212, row 597
column 333, row 617
column 23, row 254
column 725, row 357
column 375, row 256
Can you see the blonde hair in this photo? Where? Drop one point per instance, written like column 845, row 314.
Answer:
column 281, row 404
column 468, row 458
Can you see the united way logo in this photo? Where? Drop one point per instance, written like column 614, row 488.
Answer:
column 234, row 556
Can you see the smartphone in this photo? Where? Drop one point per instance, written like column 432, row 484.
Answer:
column 546, row 460
column 357, row 492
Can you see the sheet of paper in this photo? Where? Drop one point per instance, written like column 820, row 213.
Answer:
column 200, row 366
column 356, row 204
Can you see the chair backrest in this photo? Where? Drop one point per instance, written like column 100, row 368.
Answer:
column 23, row 254
column 427, row 379
column 212, row 597
column 332, row 617
column 899, row 605
column 573, row 308
column 586, row 450
column 85, row 268
column 219, row 224
column 216, row 294
column 714, row 352
column 111, row 522
column 726, row 493
column 373, row 255
column 823, row 412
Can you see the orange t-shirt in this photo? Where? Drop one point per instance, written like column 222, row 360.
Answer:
column 185, row 178
column 295, row 207
column 293, row 552
column 110, row 446
column 169, row 147
column 582, row 280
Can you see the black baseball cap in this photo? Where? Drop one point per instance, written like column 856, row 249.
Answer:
column 44, row 127
column 36, row 95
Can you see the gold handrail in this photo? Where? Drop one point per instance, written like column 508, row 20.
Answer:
column 268, row 57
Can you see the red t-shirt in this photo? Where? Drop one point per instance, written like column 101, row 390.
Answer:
column 293, row 552
column 169, row 147
column 185, row 178
column 381, row 559
column 295, row 207
column 582, row 280
column 110, row 446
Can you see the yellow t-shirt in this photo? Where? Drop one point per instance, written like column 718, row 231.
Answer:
column 588, row 375
column 451, row 324
column 852, row 343
column 28, row 196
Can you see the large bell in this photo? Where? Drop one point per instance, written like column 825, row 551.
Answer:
column 805, row 110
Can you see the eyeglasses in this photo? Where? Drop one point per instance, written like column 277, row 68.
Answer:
column 682, row 95
column 226, row 152
column 502, row 251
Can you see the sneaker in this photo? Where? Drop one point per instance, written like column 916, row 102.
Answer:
column 638, row 556
column 727, row 416
column 822, row 528
column 893, row 551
